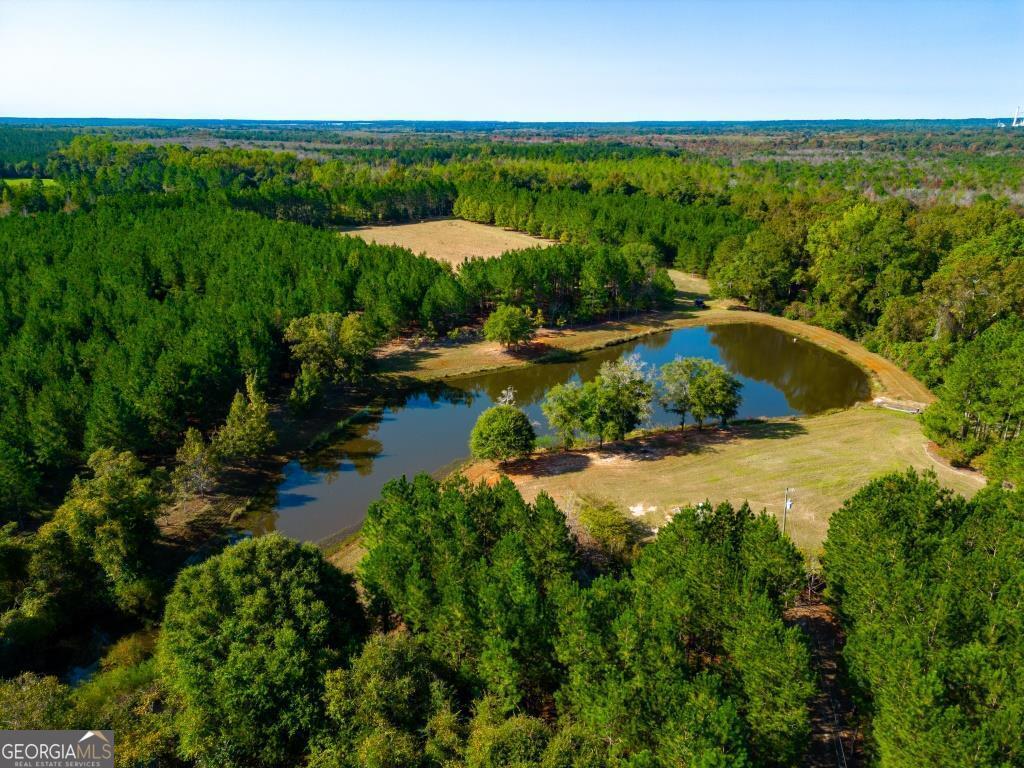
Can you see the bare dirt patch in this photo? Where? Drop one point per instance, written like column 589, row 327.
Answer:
column 450, row 240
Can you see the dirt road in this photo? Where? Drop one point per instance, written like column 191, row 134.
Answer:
column 835, row 742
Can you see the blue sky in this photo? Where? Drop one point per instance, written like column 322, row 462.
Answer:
column 556, row 60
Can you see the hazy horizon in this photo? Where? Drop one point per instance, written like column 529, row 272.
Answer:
column 491, row 121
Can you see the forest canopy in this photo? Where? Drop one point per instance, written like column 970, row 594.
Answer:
column 169, row 289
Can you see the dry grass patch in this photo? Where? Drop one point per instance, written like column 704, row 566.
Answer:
column 824, row 459
column 450, row 240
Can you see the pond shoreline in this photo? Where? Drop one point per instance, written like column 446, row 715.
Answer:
column 440, row 361
column 426, row 426
column 406, row 366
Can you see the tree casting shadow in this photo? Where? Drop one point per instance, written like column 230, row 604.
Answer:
column 548, row 464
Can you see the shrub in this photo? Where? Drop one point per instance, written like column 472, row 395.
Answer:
column 503, row 432
column 616, row 537
column 509, row 326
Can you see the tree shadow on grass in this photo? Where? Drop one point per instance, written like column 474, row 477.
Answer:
column 532, row 351
column 688, row 299
column 556, row 355
column 652, row 447
column 548, row 464
column 682, row 442
column 406, row 359
column 756, row 429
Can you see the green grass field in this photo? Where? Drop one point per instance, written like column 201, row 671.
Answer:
column 26, row 182
column 824, row 459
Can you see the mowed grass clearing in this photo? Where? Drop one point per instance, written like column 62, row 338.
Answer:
column 450, row 240
column 823, row 459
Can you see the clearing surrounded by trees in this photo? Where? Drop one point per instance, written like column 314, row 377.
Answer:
column 823, row 459
column 209, row 390
column 449, row 240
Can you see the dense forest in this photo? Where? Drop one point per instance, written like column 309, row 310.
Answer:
column 123, row 325
column 929, row 590
column 511, row 650
column 165, row 285
column 25, row 151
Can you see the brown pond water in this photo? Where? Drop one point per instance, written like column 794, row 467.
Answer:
column 324, row 494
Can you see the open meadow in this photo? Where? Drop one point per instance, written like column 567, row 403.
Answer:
column 449, row 240
column 822, row 459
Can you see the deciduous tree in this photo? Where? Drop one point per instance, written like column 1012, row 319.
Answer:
column 509, row 326
column 246, row 640
column 502, row 432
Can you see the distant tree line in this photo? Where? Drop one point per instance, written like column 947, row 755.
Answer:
column 24, row 150
column 275, row 184
column 684, row 235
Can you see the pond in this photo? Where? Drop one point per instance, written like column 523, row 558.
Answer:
column 324, row 495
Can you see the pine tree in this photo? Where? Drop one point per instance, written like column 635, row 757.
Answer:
column 196, row 466
column 246, row 433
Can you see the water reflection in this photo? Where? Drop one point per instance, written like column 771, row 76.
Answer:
column 812, row 379
column 327, row 492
